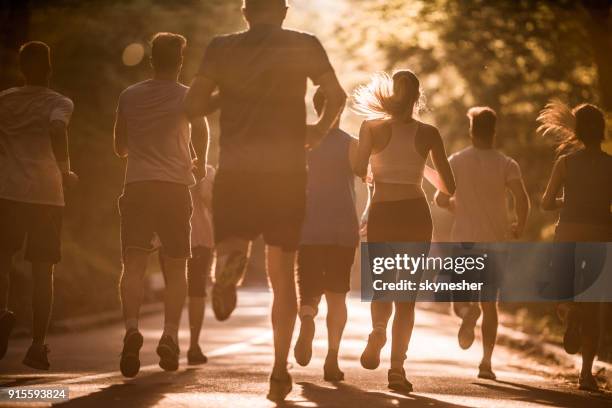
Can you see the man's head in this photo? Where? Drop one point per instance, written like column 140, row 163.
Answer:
column 265, row 11
column 35, row 62
column 167, row 53
column 482, row 125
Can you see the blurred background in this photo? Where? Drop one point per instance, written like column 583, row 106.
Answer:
column 513, row 55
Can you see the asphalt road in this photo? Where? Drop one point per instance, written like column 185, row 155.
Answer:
column 239, row 350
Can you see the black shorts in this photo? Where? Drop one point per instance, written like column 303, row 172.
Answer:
column 40, row 226
column 246, row 205
column 154, row 207
column 394, row 224
column 198, row 270
column 491, row 276
column 324, row 268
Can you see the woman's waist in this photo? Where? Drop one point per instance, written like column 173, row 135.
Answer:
column 384, row 192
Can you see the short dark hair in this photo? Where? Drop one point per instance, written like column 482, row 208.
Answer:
column 482, row 123
column 35, row 61
column 590, row 124
column 264, row 4
column 319, row 100
column 167, row 51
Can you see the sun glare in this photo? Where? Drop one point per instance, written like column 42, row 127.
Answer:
column 133, row 54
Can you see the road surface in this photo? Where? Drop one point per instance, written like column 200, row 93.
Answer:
column 240, row 356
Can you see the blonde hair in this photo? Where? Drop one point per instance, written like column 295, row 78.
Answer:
column 571, row 129
column 397, row 96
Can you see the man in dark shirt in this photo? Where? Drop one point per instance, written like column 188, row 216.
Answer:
column 261, row 75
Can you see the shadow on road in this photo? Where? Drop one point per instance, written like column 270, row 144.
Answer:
column 141, row 392
column 526, row 393
column 344, row 395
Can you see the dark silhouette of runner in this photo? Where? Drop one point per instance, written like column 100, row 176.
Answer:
column 329, row 240
column 261, row 75
column 35, row 168
column 153, row 133
column 583, row 174
column 484, row 176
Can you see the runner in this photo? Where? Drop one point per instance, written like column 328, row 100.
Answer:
column 199, row 265
column 583, row 173
column 396, row 146
column 261, row 182
column 152, row 132
column 484, row 176
column 35, row 171
column 329, row 240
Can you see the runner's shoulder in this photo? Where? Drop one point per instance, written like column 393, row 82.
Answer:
column 10, row 91
column 461, row 154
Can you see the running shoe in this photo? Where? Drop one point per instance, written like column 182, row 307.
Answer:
column 7, row 322
column 280, row 387
column 398, row 382
column 332, row 373
column 588, row 383
column 485, row 372
column 224, row 297
column 168, row 353
column 195, row 356
column 370, row 358
column 303, row 345
column 468, row 324
column 37, row 357
column 130, row 355
column 571, row 339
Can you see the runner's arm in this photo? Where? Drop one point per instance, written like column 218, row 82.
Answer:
column 200, row 140
column 440, row 161
column 120, row 136
column 550, row 201
column 522, row 205
column 59, row 143
column 200, row 100
column 445, row 201
column 335, row 100
column 361, row 159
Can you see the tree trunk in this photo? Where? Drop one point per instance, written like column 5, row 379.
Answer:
column 600, row 32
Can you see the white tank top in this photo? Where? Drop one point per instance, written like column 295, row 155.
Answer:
column 399, row 162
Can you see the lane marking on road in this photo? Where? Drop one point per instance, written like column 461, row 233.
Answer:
column 263, row 337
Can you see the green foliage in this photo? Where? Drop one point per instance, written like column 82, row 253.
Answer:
column 511, row 55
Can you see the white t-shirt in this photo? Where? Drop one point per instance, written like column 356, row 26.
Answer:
column 158, row 132
column 28, row 168
column 481, row 200
column 201, row 219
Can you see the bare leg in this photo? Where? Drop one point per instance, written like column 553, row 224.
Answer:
column 489, row 331
column 232, row 256
column 176, row 290
column 381, row 313
column 336, row 321
column 336, row 318
column 403, row 323
column 42, row 300
column 280, row 267
column 197, row 307
column 224, row 250
column 590, row 336
column 131, row 285
column 6, row 263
